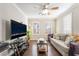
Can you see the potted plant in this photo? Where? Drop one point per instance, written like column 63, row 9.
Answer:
column 29, row 34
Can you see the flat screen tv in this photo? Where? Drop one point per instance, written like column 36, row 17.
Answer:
column 17, row 29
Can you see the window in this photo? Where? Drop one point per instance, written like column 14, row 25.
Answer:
column 48, row 28
column 67, row 24
column 36, row 28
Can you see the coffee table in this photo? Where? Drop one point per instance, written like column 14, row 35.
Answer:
column 42, row 46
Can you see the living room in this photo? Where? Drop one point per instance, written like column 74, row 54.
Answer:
column 49, row 24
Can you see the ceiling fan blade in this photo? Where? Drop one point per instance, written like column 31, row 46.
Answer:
column 55, row 8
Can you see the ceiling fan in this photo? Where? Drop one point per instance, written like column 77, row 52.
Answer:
column 47, row 7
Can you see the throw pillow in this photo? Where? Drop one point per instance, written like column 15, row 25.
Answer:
column 63, row 37
column 68, row 40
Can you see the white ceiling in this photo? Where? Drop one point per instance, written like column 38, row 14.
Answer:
column 33, row 9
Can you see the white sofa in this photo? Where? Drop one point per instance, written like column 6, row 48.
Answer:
column 60, row 46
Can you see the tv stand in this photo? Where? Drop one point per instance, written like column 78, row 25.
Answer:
column 19, row 47
column 15, row 48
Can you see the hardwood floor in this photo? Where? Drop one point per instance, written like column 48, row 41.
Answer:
column 32, row 50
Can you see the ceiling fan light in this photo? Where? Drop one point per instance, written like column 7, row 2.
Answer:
column 45, row 11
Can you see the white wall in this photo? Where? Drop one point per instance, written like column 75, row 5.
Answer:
column 76, row 20
column 9, row 11
column 0, row 30
column 59, row 25
column 1, row 26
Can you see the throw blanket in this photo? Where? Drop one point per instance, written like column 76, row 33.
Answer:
column 74, row 49
column 71, row 49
